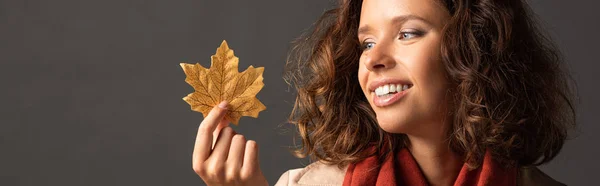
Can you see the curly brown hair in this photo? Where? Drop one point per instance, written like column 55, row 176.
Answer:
column 512, row 93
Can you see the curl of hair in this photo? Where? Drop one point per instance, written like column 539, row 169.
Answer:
column 512, row 94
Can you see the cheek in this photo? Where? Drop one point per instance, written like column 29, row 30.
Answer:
column 362, row 76
column 429, row 73
column 436, row 88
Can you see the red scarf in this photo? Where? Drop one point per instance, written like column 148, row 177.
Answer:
column 403, row 170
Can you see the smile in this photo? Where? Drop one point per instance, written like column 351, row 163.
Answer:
column 389, row 94
column 386, row 90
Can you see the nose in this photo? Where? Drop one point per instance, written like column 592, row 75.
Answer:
column 379, row 58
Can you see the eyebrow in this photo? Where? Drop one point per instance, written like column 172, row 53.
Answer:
column 395, row 20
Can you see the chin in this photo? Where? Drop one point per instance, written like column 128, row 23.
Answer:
column 393, row 124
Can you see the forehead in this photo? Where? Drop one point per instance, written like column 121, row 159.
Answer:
column 383, row 11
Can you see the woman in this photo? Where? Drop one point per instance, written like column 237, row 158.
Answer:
column 414, row 92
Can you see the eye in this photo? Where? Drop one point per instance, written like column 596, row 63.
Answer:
column 367, row 45
column 410, row 35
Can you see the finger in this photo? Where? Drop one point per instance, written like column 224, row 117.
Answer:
column 224, row 123
column 250, row 163
column 221, row 150
column 203, row 145
column 236, row 151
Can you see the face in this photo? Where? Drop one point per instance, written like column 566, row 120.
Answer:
column 400, row 70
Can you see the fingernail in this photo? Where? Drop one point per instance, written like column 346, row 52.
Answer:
column 223, row 105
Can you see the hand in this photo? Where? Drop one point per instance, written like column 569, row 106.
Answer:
column 232, row 161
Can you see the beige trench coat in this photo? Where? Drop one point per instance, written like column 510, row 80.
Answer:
column 319, row 174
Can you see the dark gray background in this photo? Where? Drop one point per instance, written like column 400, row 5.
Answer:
column 91, row 90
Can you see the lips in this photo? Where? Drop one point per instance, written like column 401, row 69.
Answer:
column 381, row 92
column 389, row 99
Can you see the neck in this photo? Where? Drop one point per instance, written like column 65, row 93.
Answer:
column 438, row 163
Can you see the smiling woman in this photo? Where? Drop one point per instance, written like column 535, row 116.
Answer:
column 428, row 92
column 413, row 92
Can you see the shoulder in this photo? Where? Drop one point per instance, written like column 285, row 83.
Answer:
column 315, row 174
column 532, row 176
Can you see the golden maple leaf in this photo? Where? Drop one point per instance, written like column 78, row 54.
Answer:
column 223, row 82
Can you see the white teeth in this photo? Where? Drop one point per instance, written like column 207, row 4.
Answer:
column 386, row 89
